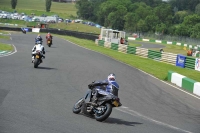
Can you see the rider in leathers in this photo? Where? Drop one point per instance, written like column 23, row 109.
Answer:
column 40, row 47
column 38, row 38
column 103, row 87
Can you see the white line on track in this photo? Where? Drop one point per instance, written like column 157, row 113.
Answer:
column 134, row 113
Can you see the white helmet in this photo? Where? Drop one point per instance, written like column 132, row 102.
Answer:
column 111, row 77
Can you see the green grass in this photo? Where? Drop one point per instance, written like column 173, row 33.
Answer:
column 133, row 43
column 4, row 37
column 6, row 47
column 64, row 10
column 20, row 23
column 157, row 69
column 4, row 32
column 76, row 27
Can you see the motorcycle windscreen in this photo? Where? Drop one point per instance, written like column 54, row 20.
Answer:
column 88, row 96
column 114, row 90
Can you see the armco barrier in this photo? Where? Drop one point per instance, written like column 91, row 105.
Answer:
column 81, row 35
column 11, row 28
column 187, row 84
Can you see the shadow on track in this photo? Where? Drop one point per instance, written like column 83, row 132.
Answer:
column 46, row 68
column 111, row 120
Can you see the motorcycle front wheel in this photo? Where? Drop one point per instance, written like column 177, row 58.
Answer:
column 36, row 62
column 104, row 112
column 77, row 106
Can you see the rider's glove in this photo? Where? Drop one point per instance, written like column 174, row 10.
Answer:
column 91, row 86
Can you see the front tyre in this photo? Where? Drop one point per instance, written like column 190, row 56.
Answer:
column 77, row 106
column 102, row 115
column 36, row 62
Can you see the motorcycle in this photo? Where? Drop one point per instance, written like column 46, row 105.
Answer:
column 23, row 30
column 102, row 109
column 37, row 59
column 49, row 41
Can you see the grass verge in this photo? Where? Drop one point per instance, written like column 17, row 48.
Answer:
column 6, row 47
column 176, row 49
column 155, row 68
column 4, row 37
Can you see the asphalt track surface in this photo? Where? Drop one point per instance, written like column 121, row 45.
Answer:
column 41, row 100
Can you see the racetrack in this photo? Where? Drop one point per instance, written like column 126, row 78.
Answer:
column 41, row 100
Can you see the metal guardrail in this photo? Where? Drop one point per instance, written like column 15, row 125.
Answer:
column 82, row 35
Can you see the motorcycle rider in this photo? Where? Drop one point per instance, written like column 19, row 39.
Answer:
column 40, row 47
column 104, row 86
column 49, row 35
column 38, row 38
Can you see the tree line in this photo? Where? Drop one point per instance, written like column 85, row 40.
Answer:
column 174, row 17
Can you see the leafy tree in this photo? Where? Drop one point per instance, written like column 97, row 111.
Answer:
column 141, row 26
column 196, row 31
column 184, row 4
column 179, row 16
column 152, row 3
column 161, row 28
column 197, row 9
column 151, row 22
column 143, row 10
column 113, row 10
column 13, row 4
column 164, row 13
column 182, row 30
column 116, row 18
column 48, row 5
column 131, row 20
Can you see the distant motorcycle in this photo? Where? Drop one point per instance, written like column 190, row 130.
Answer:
column 102, row 109
column 37, row 59
column 23, row 30
column 49, row 41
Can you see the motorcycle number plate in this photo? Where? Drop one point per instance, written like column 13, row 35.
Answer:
column 116, row 103
column 37, row 56
column 48, row 41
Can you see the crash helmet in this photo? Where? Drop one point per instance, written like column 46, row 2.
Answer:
column 38, row 42
column 111, row 77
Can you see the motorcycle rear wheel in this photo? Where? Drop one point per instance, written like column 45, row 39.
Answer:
column 77, row 106
column 104, row 115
